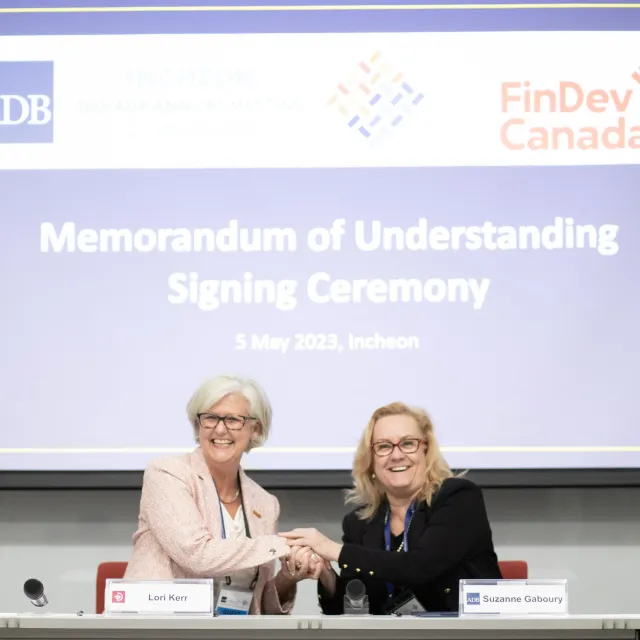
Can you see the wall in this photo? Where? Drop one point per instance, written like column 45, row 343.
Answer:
column 590, row 536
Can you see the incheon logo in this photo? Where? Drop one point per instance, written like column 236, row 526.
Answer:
column 375, row 98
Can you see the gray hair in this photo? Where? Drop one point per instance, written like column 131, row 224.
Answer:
column 218, row 387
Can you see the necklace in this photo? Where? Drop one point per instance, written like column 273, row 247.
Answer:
column 386, row 520
column 232, row 499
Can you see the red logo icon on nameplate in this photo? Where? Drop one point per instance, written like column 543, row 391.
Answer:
column 118, row 596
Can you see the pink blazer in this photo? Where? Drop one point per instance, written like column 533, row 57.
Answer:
column 179, row 531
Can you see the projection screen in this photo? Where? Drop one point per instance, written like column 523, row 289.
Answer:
column 352, row 204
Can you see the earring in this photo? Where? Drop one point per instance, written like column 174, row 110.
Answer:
column 373, row 476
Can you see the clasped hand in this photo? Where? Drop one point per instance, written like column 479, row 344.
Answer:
column 303, row 563
column 311, row 553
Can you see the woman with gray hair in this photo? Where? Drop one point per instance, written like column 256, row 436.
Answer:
column 202, row 517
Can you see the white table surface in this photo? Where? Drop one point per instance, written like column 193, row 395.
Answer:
column 93, row 621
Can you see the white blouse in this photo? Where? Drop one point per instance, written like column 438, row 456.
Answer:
column 234, row 530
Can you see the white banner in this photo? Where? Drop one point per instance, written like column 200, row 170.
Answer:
column 192, row 597
column 514, row 597
column 320, row 100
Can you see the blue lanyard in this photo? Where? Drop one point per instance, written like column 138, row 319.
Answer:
column 246, row 528
column 405, row 542
column 224, row 530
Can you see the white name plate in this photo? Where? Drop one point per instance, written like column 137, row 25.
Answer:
column 513, row 597
column 159, row 597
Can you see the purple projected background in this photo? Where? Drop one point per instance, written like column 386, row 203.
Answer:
column 97, row 359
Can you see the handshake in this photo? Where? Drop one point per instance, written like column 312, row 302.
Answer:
column 311, row 554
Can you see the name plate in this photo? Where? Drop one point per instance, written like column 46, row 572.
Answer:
column 513, row 597
column 159, row 597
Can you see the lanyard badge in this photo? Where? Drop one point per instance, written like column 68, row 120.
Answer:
column 405, row 538
column 246, row 528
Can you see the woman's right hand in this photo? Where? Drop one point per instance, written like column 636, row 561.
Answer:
column 303, row 563
column 309, row 565
column 298, row 563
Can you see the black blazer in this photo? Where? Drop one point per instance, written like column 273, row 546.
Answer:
column 448, row 541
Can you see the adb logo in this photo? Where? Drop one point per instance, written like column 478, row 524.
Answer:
column 26, row 102
column 473, row 598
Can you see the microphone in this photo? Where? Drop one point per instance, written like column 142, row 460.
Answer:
column 356, row 592
column 356, row 601
column 34, row 590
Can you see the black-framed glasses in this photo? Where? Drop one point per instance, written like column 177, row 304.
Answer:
column 385, row 448
column 232, row 422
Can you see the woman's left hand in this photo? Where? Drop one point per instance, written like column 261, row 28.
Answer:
column 302, row 564
column 323, row 546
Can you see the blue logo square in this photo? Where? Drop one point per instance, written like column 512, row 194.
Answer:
column 473, row 598
column 26, row 102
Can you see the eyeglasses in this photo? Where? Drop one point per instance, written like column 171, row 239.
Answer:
column 385, row 448
column 232, row 422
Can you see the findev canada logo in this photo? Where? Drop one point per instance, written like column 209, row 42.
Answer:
column 568, row 115
column 26, row 102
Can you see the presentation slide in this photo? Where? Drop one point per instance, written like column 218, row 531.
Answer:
column 352, row 204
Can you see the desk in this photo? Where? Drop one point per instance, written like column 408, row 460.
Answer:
column 95, row 627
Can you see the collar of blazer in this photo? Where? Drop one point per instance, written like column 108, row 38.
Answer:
column 254, row 507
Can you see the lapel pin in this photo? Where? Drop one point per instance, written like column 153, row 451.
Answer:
column 256, row 514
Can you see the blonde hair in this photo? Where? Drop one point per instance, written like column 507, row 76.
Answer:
column 366, row 491
column 217, row 388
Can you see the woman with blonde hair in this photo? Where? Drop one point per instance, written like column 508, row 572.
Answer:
column 201, row 516
column 417, row 530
